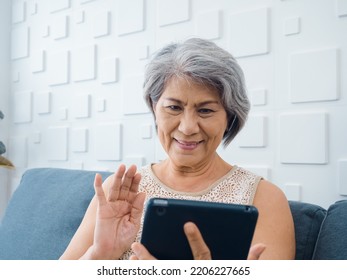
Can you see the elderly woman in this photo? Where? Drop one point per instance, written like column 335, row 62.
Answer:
column 197, row 94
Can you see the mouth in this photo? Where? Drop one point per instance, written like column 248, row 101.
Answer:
column 188, row 145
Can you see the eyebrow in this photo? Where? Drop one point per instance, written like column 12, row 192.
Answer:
column 200, row 104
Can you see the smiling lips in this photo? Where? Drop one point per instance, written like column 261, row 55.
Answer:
column 188, row 145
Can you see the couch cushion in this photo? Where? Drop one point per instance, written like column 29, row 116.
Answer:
column 307, row 221
column 44, row 212
column 332, row 239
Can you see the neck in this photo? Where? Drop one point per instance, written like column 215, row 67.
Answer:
column 191, row 178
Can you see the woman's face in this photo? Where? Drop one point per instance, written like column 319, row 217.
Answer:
column 191, row 122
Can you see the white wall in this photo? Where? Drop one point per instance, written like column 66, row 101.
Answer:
column 76, row 77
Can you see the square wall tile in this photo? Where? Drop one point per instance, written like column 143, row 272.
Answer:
column 43, row 102
column 304, row 138
column 101, row 26
column 109, row 70
column 131, row 16
column 253, row 135
column 314, row 76
column 18, row 12
column 108, row 141
column 19, row 42
column 249, row 32
column 208, row 24
column 59, row 27
column 56, row 6
column 172, row 11
column 83, row 63
column 341, row 8
column 58, row 68
column 38, row 61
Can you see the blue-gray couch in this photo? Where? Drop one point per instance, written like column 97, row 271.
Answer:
column 49, row 204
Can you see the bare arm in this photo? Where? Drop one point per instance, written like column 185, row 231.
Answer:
column 275, row 227
column 112, row 220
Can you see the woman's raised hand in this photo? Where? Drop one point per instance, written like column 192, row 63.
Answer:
column 118, row 214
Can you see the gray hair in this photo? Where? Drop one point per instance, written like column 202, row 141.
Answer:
column 205, row 63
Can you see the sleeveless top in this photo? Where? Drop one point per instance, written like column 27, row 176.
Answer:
column 238, row 186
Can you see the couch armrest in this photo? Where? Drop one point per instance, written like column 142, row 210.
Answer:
column 332, row 239
column 307, row 222
column 44, row 212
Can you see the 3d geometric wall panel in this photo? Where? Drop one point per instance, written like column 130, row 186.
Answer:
column 341, row 7
column 130, row 16
column 19, row 42
column 79, row 17
column 59, row 27
column 101, row 26
column 314, row 76
column 22, row 106
column 249, row 32
column 303, row 138
column 58, row 68
column 18, row 12
column 172, row 11
column 109, row 70
column 57, row 143
column 254, row 133
column 38, row 61
column 56, row 6
column 33, row 8
column 108, row 141
column 258, row 97
column 85, row 56
column 208, row 25
column 132, row 92
column 43, row 102
column 292, row 26
column 81, row 106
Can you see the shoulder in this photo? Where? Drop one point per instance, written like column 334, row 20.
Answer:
column 269, row 194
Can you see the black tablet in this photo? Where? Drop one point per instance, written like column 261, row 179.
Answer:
column 226, row 228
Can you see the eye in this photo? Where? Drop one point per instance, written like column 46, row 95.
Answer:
column 174, row 107
column 205, row 111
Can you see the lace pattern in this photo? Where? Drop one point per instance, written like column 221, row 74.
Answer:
column 238, row 186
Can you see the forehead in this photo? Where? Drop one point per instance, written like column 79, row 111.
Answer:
column 186, row 88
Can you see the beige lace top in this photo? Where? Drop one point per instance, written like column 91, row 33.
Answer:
column 237, row 186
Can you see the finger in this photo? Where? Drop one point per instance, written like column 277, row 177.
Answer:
column 256, row 251
column 197, row 244
column 99, row 191
column 134, row 187
column 137, row 208
column 116, row 183
column 141, row 252
column 127, row 182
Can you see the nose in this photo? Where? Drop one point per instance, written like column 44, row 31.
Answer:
column 189, row 124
